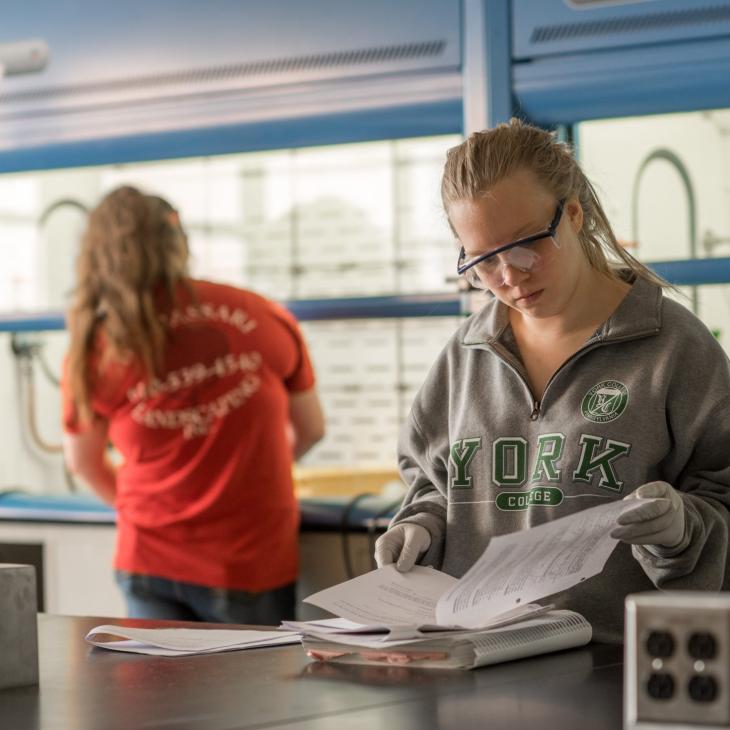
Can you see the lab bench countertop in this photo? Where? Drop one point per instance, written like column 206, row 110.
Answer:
column 86, row 688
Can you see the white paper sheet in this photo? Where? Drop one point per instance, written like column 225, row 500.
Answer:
column 385, row 597
column 539, row 617
column 525, row 566
column 183, row 642
column 329, row 625
column 382, row 638
column 400, row 604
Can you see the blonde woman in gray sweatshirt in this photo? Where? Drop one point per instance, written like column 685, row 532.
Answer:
column 578, row 382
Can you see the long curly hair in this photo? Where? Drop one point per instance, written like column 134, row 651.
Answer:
column 132, row 258
column 485, row 158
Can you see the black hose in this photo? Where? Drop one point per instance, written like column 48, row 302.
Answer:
column 344, row 532
column 373, row 528
column 46, row 369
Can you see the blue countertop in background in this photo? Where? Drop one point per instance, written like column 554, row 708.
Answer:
column 325, row 513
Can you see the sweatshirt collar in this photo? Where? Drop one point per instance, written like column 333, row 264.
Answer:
column 638, row 315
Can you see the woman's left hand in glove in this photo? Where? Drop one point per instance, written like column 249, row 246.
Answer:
column 657, row 521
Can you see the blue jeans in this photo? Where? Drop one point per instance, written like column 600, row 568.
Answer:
column 159, row 598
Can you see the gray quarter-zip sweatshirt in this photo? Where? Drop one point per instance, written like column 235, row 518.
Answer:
column 646, row 398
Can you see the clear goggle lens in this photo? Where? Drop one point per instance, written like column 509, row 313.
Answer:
column 492, row 272
column 527, row 254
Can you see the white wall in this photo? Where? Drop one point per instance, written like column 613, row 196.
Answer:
column 612, row 152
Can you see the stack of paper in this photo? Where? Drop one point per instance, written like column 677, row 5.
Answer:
column 183, row 642
column 467, row 649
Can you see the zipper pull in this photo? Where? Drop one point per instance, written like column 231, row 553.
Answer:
column 535, row 411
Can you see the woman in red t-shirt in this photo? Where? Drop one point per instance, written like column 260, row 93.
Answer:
column 207, row 393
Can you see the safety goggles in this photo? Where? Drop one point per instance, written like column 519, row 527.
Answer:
column 529, row 254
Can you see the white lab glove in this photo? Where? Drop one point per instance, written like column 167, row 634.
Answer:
column 658, row 521
column 402, row 545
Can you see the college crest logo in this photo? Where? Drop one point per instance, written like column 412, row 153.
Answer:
column 605, row 402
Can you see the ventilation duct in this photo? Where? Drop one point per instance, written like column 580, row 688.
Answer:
column 577, row 60
column 135, row 68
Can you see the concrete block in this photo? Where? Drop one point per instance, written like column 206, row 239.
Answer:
column 18, row 626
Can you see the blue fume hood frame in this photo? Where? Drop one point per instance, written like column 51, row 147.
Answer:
column 555, row 62
column 575, row 60
column 179, row 78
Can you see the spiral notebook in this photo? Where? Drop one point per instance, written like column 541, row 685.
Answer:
column 551, row 631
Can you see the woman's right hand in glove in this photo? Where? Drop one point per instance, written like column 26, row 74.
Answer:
column 402, row 545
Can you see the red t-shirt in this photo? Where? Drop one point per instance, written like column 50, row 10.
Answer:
column 205, row 493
